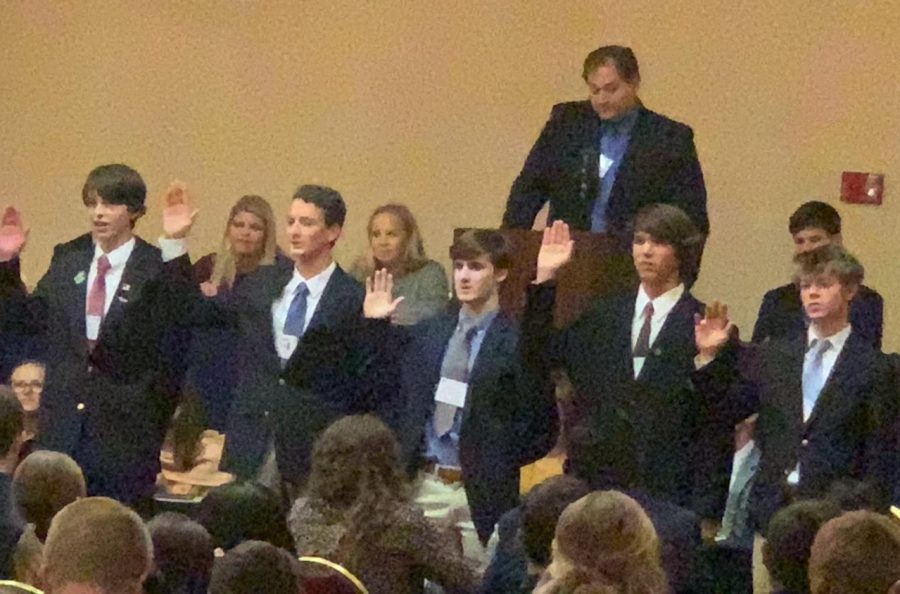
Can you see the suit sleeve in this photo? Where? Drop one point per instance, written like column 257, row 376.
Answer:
column 529, row 192
column 763, row 327
column 688, row 189
column 542, row 345
column 869, row 321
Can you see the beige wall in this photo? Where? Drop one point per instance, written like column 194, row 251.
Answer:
column 437, row 103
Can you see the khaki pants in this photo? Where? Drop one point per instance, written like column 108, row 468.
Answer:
column 762, row 581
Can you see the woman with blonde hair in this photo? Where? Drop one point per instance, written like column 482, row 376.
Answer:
column 358, row 512
column 605, row 544
column 395, row 243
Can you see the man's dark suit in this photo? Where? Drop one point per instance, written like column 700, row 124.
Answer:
column 653, row 433
column 659, row 166
column 508, row 421
column 320, row 382
column 848, row 434
column 109, row 408
column 781, row 315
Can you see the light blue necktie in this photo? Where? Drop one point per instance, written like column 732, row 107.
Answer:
column 814, row 375
column 296, row 316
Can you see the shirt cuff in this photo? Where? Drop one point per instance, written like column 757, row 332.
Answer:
column 172, row 248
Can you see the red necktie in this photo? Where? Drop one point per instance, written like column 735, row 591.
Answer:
column 96, row 300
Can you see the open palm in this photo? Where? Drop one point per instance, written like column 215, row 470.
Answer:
column 12, row 234
column 178, row 213
column 380, row 302
column 556, row 250
column 712, row 331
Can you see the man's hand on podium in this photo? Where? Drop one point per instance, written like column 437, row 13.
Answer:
column 556, row 251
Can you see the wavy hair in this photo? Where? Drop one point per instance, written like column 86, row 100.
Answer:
column 609, row 546
column 225, row 268
column 413, row 257
column 357, row 480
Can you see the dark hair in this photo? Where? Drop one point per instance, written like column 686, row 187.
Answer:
column 622, row 57
column 816, row 215
column 670, row 224
column 237, row 512
column 11, row 419
column 829, row 259
column 44, row 483
column 541, row 510
column 253, row 567
column 182, row 553
column 116, row 184
column 789, row 538
column 474, row 243
column 328, row 200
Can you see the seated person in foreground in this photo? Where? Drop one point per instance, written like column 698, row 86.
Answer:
column 781, row 314
column 243, row 511
column 253, row 567
column 182, row 555
column 395, row 244
column 357, row 512
column 11, row 436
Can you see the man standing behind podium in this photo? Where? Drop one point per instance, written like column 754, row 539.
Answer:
column 600, row 161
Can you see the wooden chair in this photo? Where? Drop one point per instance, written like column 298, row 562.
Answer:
column 14, row 587
column 321, row 576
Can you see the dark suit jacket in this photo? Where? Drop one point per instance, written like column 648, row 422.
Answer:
column 660, row 165
column 652, row 433
column 781, row 315
column 509, row 419
column 848, row 436
column 109, row 408
column 321, row 381
column 11, row 527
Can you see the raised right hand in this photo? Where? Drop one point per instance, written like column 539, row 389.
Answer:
column 13, row 234
column 556, row 251
column 379, row 302
column 712, row 331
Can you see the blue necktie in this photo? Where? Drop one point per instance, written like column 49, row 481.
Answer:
column 814, row 375
column 296, row 316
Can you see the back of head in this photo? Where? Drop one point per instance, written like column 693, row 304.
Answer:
column 474, row 243
column 237, row 512
column 789, row 537
column 622, row 57
column 541, row 510
column 610, row 543
column 182, row 552
column 856, row 553
column 97, row 542
column 830, row 259
column 44, row 483
column 11, row 420
column 116, row 184
column 815, row 215
column 252, row 567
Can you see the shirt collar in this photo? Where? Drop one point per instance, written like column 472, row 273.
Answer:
column 624, row 124
column 315, row 284
column 662, row 305
column 480, row 322
column 837, row 339
column 118, row 257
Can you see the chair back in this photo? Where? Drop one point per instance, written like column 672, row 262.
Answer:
column 321, row 576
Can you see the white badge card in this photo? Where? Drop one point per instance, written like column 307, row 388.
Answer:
column 92, row 326
column 286, row 345
column 605, row 164
column 451, row 392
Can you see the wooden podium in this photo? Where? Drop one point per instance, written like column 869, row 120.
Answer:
column 600, row 264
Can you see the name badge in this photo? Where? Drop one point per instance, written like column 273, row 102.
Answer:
column 451, row 392
column 92, row 326
column 605, row 164
column 287, row 345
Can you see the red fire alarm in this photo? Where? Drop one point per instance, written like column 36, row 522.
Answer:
column 862, row 188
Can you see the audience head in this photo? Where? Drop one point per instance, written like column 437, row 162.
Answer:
column 314, row 223
column 253, row 567
column 96, row 546
column 814, row 224
column 249, row 239
column 481, row 262
column 856, row 553
column 182, row 554
column 789, row 538
column 114, row 196
column 27, row 381
column 605, row 540
column 666, row 247
column 829, row 277
column 395, row 242
column 44, row 483
column 613, row 78
column 243, row 511
column 12, row 424
column 541, row 510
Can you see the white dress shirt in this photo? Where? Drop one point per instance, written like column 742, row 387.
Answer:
column 117, row 260
column 284, row 343
column 662, row 305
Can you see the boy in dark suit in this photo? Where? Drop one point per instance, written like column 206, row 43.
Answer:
column 473, row 412
column 781, row 313
column 109, row 309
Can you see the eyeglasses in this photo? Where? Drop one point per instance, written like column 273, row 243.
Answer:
column 34, row 385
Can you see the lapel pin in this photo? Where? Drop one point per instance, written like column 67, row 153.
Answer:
column 126, row 287
column 123, row 299
column 80, row 277
column 657, row 351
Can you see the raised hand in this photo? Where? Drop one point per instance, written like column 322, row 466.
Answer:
column 209, row 289
column 556, row 251
column 178, row 213
column 712, row 331
column 380, row 302
column 13, row 234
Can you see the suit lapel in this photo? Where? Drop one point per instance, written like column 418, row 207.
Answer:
column 491, row 346
column 76, row 288
column 261, row 289
column 329, row 302
column 838, row 380
column 636, row 142
column 139, row 269
column 667, row 334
